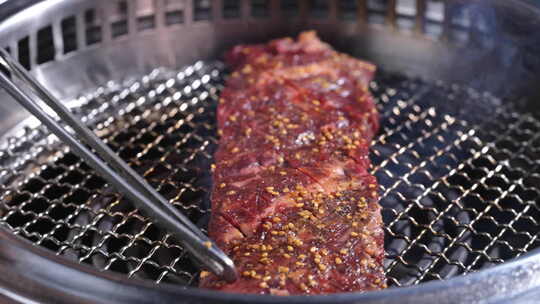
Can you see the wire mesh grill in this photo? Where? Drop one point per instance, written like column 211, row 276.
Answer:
column 456, row 171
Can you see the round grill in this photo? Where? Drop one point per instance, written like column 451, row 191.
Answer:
column 457, row 166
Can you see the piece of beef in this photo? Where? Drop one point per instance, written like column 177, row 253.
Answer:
column 293, row 202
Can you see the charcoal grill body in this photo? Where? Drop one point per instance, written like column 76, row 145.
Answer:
column 463, row 72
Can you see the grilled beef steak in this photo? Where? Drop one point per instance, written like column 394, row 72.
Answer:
column 293, row 202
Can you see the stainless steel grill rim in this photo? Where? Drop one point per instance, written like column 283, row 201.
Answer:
column 473, row 161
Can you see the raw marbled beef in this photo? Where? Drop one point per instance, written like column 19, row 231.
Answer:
column 293, row 202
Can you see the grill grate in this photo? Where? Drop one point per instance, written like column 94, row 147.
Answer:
column 456, row 169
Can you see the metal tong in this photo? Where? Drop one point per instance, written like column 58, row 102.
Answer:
column 112, row 167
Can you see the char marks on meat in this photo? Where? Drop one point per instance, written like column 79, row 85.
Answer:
column 293, row 202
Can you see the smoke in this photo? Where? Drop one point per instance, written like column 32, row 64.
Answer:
column 504, row 46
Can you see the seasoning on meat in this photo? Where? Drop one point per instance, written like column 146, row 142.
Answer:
column 293, row 202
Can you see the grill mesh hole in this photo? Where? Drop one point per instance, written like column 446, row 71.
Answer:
column 290, row 8
column 231, row 9
column 119, row 26
column 92, row 27
column 69, row 34
column 202, row 10
column 260, row 8
column 318, row 9
column 23, row 47
column 146, row 22
column 45, row 45
column 348, row 9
